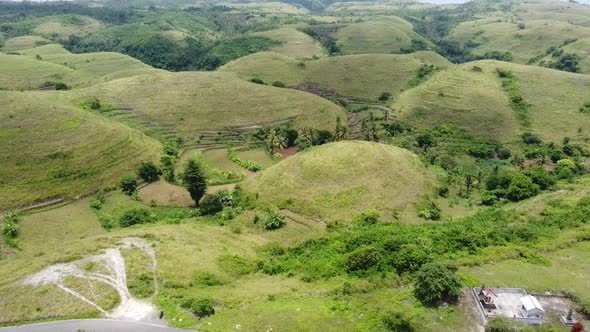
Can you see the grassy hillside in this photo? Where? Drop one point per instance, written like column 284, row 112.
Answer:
column 51, row 149
column 358, row 76
column 51, row 63
column 294, row 43
column 523, row 39
column 23, row 43
column 388, row 35
column 196, row 101
column 66, row 25
column 339, row 181
column 476, row 101
column 461, row 97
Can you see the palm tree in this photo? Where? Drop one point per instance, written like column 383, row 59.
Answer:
column 274, row 139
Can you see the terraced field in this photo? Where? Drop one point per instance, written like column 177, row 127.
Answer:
column 72, row 153
column 193, row 102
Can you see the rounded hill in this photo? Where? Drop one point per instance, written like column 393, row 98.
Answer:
column 338, row 181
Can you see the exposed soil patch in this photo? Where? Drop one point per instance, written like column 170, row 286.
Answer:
column 288, row 152
column 112, row 272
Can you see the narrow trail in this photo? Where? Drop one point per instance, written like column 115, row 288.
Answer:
column 114, row 275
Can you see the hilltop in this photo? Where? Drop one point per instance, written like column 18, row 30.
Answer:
column 363, row 76
column 339, row 181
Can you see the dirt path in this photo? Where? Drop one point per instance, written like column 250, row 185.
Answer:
column 112, row 273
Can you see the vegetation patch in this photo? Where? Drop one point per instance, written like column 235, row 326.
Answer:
column 517, row 102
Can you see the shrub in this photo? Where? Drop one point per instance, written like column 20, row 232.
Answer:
column 398, row 321
column 385, row 96
column 10, row 228
column 208, row 279
column 279, row 84
column 97, row 201
column 199, row 307
column 129, row 184
column 211, row 204
column 503, row 153
column 540, row 176
column 135, row 216
column 566, row 163
column 257, row 81
column 530, row 138
column 521, row 187
column 500, row 324
column 370, row 216
column 247, row 164
column 273, row 221
column 488, row 198
column 149, row 172
column 435, row 284
column 363, row 258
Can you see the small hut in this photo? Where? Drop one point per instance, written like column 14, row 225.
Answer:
column 531, row 308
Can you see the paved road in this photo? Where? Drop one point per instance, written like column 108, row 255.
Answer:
column 90, row 325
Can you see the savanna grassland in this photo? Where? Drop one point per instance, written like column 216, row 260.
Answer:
column 292, row 166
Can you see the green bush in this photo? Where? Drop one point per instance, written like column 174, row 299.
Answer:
column 257, row 81
column 273, row 221
column 202, row 307
column 398, row 321
column 363, row 258
column 97, row 201
column 279, row 84
column 435, row 284
column 247, row 164
column 211, row 204
column 500, row 324
column 129, row 184
column 10, row 228
column 149, row 172
column 135, row 216
column 208, row 279
column 521, row 187
column 370, row 216
column 540, row 177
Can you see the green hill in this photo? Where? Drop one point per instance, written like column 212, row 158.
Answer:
column 338, row 181
column 294, row 43
column 523, row 39
column 363, row 76
column 474, row 100
column 51, row 63
column 23, row 43
column 51, row 149
column 189, row 102
column 388, row 35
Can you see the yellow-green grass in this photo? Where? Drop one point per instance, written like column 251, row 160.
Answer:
column 102, row 66
column 23, row 43
column 52, row 149
column 267, row 7
column 363, row 76
column 567, row 12
column 523, row 44
column 555, row 98
column 459, row 96
column 48, row 49
column 57, row 65
column 338, row 181
column 569, row 271
column 295, row 43
column 196, row 101
column 66, row 25
column 388, row 35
